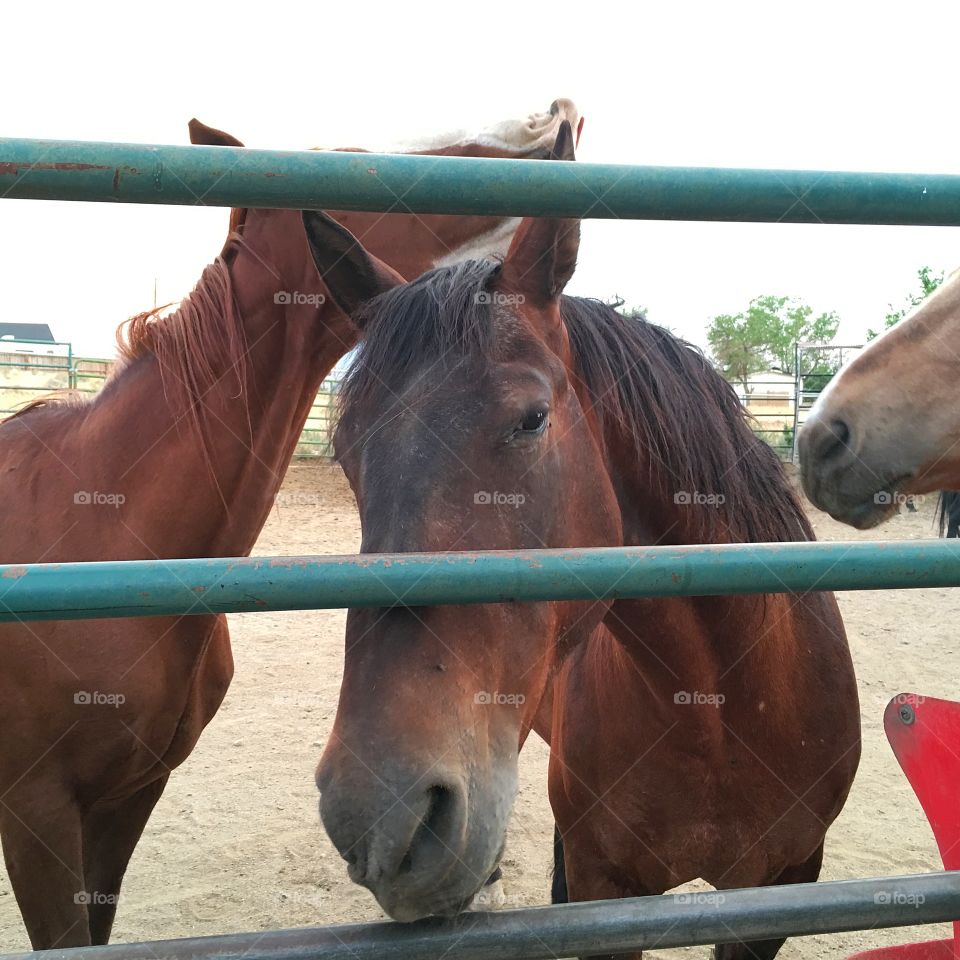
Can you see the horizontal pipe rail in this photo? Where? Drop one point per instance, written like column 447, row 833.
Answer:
column 138, row 588
column 240, row 177
column 581, row 929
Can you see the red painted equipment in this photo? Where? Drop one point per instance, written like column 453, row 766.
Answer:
column 925, row 736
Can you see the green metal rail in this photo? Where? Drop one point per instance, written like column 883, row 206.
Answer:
column 137, row 588
column 231, row 176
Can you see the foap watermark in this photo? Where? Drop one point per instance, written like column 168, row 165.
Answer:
column 295, row 499
column 87, row 698
column 687, row 498
column 889, row 498
column 493, row 897
column 698, row 698
column 499, row 299
column 485, row 698
column 299, row 299
column 312, row 898
column 898, row 898
column 706, row 898
column 498, row 499
column 90, row 897
column 96, row 498
column 912, row 699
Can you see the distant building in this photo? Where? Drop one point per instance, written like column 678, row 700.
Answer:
column 768, row 385
column 35, row 335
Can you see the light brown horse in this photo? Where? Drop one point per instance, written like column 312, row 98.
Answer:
column 700, row 737
column 180, row 455
column 886, row 426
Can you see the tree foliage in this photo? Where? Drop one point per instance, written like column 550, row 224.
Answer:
column 929, row 281
column 764, row 336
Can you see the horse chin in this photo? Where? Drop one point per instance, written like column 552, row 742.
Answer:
column 409, row 910
column 863, row 516
column 865, row 513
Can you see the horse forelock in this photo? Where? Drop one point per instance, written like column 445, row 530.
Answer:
column 419, row 332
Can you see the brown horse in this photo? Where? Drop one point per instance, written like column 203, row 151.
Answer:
column 180, row 455
column 885, row 427
column 700, row 737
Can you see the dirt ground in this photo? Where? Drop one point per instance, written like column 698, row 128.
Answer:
column 235, row 843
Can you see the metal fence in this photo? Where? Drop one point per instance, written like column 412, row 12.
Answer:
column 232, row 177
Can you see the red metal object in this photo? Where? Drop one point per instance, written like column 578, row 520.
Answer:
column 925, row 736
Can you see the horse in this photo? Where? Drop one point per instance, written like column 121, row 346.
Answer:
column 712, row 737
column 884, row 428
column 180, row 455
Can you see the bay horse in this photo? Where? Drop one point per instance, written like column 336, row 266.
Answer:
column 180, row 455
column 886, row 426
column 712, row 737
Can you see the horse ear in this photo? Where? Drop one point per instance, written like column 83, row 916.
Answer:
column 542, row 258
column 200, row 133
column 564, row 146
column 543, row 254
column 352, row 275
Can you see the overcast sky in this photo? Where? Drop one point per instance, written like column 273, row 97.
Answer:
column 856, row 86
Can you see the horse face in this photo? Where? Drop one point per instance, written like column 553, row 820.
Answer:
column 460, row 430
column 887, row 426
column 420, row 774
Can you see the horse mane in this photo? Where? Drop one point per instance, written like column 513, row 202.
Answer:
column 687, row 420
column 683, row 419
column 200, row 344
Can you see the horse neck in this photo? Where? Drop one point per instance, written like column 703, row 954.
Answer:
column 693, row 643
column 214, row 451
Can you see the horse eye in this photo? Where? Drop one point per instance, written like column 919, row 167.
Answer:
column 533, row 422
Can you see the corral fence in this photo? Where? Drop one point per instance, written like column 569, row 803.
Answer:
column 111, row 172
column 33, row 369
column 778, row 404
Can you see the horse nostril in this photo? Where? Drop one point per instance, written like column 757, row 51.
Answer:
column 840, row 431
column 826, row 441
column 436, row 825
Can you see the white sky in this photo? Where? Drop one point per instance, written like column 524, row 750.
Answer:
column 806, row 85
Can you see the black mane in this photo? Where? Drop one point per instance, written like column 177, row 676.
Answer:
column 688, row 420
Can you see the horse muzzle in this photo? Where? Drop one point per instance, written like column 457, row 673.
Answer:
column 840, row 477
column 423, row 841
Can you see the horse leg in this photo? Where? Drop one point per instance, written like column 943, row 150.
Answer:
column 574, row 885
column 806, row 872
column 111, row 831
column 42, row 848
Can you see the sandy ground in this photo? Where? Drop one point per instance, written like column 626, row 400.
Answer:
column 235, row 843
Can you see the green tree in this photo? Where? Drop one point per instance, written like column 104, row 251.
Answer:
column 764, row 336
column 929, row 281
